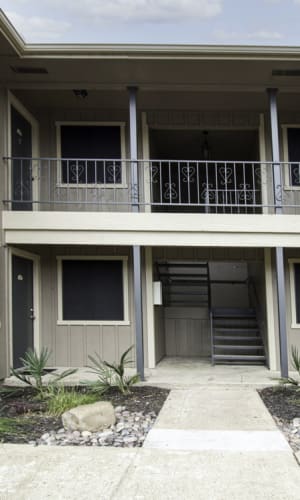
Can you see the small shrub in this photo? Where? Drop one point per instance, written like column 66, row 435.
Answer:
column 9, row 426
column 296, row 365
column 61, row 399
column 113, row 374
column 34, row 364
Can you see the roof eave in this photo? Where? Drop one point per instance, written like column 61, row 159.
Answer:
column 147, row 51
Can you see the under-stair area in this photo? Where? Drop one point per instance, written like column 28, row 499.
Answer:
column 236, row 337
column 185, row 283
column 210, row 310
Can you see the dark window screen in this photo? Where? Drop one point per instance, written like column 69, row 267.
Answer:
column 294, row 154
column 90, row 143
column 297, row 291
column 92, row 290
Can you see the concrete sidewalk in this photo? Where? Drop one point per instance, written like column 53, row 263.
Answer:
column 210, row 443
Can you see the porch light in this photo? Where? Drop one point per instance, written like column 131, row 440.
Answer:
column 205, row 146
column 80, row 93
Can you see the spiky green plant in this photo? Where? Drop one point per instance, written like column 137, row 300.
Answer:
column 34, row 365
column 296, row 365
column 113, row 374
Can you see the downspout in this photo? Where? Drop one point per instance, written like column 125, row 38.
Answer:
column 280, row 274
column 137, row 265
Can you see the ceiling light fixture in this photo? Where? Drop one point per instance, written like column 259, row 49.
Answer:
column 80, row 93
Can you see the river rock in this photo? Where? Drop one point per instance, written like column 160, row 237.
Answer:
column 93, row 417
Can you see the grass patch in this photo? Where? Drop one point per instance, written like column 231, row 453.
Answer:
column 10, row 426
column 61, row 399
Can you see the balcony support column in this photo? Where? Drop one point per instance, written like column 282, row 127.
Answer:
column 137, row 263
column 280, row 272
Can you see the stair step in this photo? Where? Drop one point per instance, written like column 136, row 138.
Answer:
column 232, row 330
column 233, row 313
column 239, row 357
column 237, row 337
column 239, row 347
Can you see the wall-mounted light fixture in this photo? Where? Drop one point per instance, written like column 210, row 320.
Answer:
column 80, row 93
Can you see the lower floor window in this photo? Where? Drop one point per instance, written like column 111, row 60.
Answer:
column 92, row 290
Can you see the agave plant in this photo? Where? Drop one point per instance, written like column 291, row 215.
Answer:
column 296, row 365
column 113, row 374
column 33, row 369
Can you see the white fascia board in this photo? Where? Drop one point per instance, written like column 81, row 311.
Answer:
column 151, row 229
column 144, row 51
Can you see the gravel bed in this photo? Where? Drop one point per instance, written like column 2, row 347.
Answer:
column 135, row 415
column 130, row 429
column 284, row 405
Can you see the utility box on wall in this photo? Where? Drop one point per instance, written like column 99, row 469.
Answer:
column 157, row 293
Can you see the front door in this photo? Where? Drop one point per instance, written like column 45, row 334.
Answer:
column 21, row 152
column 22, row 307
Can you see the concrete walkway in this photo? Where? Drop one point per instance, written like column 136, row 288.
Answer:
column 210, row 443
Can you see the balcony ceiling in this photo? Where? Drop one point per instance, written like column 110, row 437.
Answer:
column 117, row 74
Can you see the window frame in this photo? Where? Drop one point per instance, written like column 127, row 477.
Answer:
column 286, row 177
column 291, row 262
column 121, row 125
column 61, row 321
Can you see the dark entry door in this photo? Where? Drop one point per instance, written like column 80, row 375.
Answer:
column 21, row 149
column 22, row 307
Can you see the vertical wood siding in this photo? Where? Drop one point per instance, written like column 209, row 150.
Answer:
column 72, row 344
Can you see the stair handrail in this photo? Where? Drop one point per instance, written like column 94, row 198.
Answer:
column 257, row 305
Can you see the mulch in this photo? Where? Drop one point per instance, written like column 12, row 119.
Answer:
column 282, row 402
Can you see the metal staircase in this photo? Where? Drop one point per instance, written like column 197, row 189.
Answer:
column 235, row 337
column 185, row 283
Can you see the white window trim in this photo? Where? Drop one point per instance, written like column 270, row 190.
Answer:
column 286, row 176
column 61, row 321
column 291, row 262
column 122, row 184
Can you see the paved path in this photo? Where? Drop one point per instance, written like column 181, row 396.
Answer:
column 213, row 443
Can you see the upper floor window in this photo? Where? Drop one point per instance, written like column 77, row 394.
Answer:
column 91, row 153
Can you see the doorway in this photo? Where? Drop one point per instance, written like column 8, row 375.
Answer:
column 21, row 152
column 23, row 314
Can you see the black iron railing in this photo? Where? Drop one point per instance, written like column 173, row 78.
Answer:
column 163, row 186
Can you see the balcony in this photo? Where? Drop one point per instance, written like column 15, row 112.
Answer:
column 176, row 186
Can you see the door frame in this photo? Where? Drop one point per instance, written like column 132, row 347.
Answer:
column 36, row 297
column 13, row 101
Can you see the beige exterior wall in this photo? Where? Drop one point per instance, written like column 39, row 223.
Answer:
column 71, row 344
column 159, row 333
column 187, row 331
column 3, row 251
column 293, row 333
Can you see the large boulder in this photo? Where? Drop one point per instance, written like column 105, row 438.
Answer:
column 92, row 417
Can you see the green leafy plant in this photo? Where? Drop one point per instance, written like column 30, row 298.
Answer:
column 113, row 374
column 33, row 369
column 61, row 399
column 296, row 365
column 7, row 392
column 11, row 426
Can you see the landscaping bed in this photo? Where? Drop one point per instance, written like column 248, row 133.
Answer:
column 24, row 419
column 284, row 405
